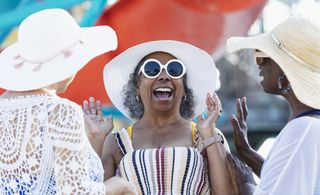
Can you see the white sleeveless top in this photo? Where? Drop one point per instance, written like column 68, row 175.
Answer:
column 44, row 148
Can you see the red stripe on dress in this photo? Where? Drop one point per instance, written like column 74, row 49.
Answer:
column 158, row 164
column 201, row 181
column 162, row 170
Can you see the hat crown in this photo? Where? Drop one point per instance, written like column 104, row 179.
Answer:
column 47, row 33
column 300, row 37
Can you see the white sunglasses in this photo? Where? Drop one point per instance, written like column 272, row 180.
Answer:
column 152, row 68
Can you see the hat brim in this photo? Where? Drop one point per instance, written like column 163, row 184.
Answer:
column 202, row 75
column 305, row 82
column 96, row 40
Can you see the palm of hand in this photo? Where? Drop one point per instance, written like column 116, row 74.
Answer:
column 206, row 126
column 239, row 123
column 98, row 125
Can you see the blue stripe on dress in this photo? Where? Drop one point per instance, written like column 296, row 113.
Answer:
column 143, row 169
column 173, row 161
column 195, row 163
column 186, row 171
column 120, row 144
column 136, row 170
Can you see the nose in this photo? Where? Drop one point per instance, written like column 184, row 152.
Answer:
column 163, row 76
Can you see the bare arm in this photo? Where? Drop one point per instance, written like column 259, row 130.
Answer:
column 107, row 157
column 240, row 137
column 219, row 177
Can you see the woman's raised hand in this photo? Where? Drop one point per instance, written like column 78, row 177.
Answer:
column 206, row 127
column 97, row 126
column 239, row 124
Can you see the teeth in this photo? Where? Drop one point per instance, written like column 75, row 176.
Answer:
column 162, row 89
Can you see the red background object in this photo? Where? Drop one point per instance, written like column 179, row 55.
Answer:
column 204, row 23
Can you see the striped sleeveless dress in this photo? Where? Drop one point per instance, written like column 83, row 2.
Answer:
column 169, row 170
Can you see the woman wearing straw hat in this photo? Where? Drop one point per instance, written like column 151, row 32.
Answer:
column 43, row 147
column 289, row 61
column 161, row 86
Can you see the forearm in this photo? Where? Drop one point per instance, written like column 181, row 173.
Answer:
column 220, row 181
column 97, row 144
column 253, row 159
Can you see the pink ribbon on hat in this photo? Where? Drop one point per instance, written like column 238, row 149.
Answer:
column 65, row 52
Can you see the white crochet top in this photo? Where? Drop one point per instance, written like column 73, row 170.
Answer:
column 44, row 148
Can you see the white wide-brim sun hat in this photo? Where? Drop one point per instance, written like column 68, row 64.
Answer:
column 51, row 47
column 295, row 46
column 202, row 74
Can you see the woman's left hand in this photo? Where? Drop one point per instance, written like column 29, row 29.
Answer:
column 206, row 127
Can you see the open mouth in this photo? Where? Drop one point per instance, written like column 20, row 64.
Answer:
column 163, row 93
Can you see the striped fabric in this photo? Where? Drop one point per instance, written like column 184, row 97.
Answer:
column 172, row 170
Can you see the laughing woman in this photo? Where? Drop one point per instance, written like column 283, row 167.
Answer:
column 162, row 86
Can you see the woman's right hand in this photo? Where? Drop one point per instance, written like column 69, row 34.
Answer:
column 240, row 128
column 118, row 186
column 97, row 126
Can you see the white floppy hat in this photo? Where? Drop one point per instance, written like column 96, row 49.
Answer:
column 51, row 47
column 201, row 70
column 295, row 46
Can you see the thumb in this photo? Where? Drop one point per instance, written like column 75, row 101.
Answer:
column 200, row 118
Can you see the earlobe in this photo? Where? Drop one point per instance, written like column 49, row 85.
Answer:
column 283, row 89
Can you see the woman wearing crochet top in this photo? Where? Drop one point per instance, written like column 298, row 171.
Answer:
column 44, row 148
column 289, row 61
column 161, row 86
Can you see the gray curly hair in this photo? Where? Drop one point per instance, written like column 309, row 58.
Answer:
column 135, row 106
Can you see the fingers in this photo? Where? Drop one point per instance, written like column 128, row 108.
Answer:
column 244, row 108
column 200, row 118
column 219, row 102
column 86, row 107
column 213, row 103
column 235, row 125
column 239, row 110
column 210, row 103
column 99, row 107
column 92, row 105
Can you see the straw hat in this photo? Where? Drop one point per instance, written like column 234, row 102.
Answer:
column 201, row 70
column 51, row 47
column 295, row 46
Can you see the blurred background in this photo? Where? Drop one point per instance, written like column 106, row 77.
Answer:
column 204, row 23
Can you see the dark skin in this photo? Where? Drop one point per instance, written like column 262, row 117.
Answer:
column 162, row 126
column 270, row 71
